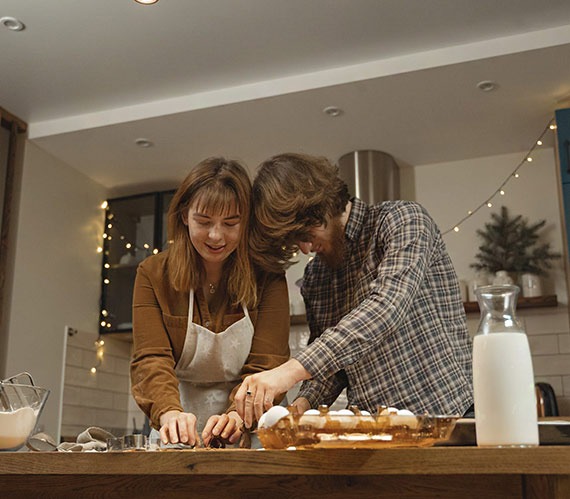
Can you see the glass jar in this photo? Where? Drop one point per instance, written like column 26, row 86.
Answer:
column 503, row 381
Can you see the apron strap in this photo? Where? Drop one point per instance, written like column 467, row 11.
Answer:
column 191, row 306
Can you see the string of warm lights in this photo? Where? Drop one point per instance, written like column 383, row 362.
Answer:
column 110, row 223
column 100, row 352
column 500, row 191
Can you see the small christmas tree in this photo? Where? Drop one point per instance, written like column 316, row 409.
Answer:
column 511, row 244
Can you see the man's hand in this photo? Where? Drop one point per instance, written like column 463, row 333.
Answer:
column 225, row 426
column 257, row 392
column 302, row 404
column 176, row 426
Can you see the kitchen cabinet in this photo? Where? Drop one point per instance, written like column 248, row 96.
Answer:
column 135, row 227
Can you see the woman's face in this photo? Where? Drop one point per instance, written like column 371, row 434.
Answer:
column 214, row 236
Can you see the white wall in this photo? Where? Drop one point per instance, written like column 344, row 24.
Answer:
column 56, row 271
column 449, row 190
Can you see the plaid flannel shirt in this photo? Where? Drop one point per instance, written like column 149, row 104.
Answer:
column 389, row 325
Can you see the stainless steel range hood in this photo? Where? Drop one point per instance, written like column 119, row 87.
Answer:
column 372, row 176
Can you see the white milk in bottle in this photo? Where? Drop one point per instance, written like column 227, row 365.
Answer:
column 503, row 381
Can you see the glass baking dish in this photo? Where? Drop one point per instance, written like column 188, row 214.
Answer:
column 356, row 431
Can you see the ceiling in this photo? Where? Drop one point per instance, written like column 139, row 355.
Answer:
column 250, row 78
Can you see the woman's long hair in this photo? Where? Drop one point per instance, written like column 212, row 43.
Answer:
column 215, row 185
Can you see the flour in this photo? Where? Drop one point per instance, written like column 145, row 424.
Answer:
column 16, row 426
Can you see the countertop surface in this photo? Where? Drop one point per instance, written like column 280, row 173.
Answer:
column 543, row 460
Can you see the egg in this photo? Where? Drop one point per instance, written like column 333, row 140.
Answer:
column 407, row 418
column 388, row 411
column 345, row 417
column 311, row 412
column 405, row 412
column 268, row 419
column 311, row 417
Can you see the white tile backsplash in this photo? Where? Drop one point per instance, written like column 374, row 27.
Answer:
column 564, row 343
column 551, row 365
column 563, row 405
column 112, row 382
column 91, row 397
column 72, row 395
column 543, row 344
column 566, row 385
column 101, row 398
column 545, row 320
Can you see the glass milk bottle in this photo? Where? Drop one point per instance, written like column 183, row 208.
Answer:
column 503, row 381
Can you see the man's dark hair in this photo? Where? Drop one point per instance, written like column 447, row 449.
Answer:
column 292, row 193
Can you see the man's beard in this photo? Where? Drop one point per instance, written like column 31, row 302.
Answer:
column 335, row 257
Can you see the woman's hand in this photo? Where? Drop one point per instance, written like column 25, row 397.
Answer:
column 176, row 426
column 225, row 426
column 257, row 392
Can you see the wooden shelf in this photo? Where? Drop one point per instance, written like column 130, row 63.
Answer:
column 536, row 302
column 124, row 266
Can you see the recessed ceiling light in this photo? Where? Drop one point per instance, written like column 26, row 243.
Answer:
column 146, row 2
column 12, row 23
column 487, row 85
column 332, row 111
column 143, row 143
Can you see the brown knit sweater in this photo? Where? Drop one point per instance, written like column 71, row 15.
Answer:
column 160, row 319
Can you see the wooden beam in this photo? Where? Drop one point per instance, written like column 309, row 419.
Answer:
column 7, row 117
column 16, row 127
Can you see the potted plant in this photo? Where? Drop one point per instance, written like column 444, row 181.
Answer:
column 511, row 245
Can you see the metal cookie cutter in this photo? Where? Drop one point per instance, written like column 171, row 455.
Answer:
column 135, row 442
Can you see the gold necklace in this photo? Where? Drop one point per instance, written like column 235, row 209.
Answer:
column 211, row 288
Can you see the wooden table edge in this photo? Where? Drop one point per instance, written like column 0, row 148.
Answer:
column 544, row 460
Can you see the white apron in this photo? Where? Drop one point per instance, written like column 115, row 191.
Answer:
column 210, row 365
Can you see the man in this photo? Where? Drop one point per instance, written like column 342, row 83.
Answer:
column 382, row 298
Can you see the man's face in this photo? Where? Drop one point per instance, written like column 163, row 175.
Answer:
column 327, row 240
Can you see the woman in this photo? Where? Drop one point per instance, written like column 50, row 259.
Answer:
column 203, row 317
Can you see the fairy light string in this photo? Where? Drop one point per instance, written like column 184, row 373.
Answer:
column 111, row 222
column 500, row 191
column 100, row 353
column 112, row 225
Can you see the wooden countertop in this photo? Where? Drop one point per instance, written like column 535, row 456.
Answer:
column 473, row 472
column 425, row 461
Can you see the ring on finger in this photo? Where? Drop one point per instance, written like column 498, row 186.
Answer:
column 248, row 393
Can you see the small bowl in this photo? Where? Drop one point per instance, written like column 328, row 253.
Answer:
column 20, row 409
